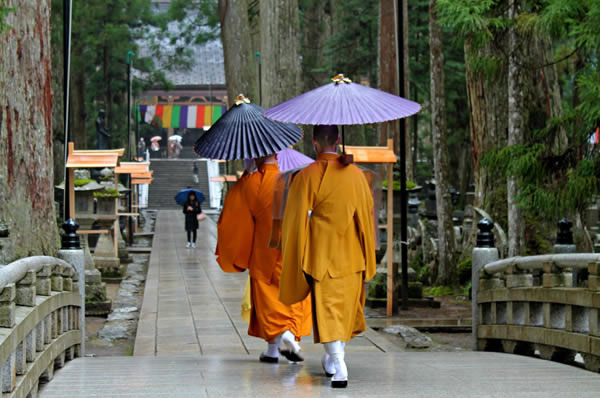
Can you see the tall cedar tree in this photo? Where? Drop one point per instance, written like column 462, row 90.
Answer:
column 554, row 167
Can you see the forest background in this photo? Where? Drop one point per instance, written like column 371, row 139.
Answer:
column 509, row 88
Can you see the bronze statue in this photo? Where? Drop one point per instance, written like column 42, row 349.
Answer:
column 102, row 136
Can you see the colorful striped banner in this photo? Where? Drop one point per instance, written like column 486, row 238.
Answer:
column 191, row 115
column 208, row 115
column 200, row 117
column 175, row 116
column 181, row 116
column 159, row 112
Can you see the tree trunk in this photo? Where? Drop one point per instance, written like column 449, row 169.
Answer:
column 78, row 116
column 317, row 29
column 58, row 135
column 409, row 163
column 488, row 125
column 26, row 172
column 388, row 74
column 516, row 127
column 446, row 274
column 240, row 62
column 280, row 51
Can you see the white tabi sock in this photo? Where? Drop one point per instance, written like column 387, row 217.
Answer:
column 273, row 347
column 272, row 350
column 327, row 363
column 336, row 351
column 290, row 342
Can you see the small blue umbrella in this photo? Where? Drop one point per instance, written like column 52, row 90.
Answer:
column 182, row 196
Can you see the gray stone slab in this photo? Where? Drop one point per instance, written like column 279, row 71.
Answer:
column 408, row 374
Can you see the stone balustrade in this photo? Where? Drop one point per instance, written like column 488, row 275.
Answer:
column 40, row 322
column 545, row 305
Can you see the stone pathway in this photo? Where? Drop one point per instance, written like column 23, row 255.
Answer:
column 191, row 307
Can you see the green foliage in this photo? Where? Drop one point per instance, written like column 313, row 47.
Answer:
column 4, row 11
column 463, row 270
column 409, row 185
column 107, row 193
column 82, row 182
column 438, row 291
column 480, row 20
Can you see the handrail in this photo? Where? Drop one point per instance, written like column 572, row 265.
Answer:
column 15, row 271
column 564, row 260
column 42, row 319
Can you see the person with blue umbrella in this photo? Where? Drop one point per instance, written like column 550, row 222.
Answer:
column 190, row 199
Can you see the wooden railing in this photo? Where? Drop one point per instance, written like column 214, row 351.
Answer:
column 544, row 305
column 40, row 322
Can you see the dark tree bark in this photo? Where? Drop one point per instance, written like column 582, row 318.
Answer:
column 26, row 167
column 280, row 51
column 516, row 127
column 488, row 125
column 240, row 61
column 78, row 115
column 388, row 75
column 446, row 271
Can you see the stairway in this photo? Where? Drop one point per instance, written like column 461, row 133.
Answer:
column 172, row 175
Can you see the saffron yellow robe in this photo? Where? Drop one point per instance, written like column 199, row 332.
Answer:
column 244, row 229
column 330, row 252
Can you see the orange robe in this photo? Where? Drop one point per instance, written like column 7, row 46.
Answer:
column 244, row 229
column 334, row 246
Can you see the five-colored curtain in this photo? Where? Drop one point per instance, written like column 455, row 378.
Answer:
column 181, row 116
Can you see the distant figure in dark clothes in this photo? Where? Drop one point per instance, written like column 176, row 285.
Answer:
column 191, row 209
column 102, row 136
column 195, row 173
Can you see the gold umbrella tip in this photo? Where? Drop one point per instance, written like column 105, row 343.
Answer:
column 337, row 79
column 241, row 99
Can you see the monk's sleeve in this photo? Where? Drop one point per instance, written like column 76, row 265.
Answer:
column 366, row 228
column 293, row 287
column 235, row 232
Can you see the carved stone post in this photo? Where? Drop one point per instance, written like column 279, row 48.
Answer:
column 8, row 306
column 564, row 244
column 484, row 253
column 77, row 259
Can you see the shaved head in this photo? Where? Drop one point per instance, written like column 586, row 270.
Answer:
column 325, row 135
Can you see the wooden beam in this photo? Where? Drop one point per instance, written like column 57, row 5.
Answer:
column 92, row 231
column 71, row 191
column 392, row 271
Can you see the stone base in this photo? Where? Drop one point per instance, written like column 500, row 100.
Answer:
column 98, row 308
column 7, row 250
column 92, row 276
column 122, row 250
column 96, row 302
column 110, row 267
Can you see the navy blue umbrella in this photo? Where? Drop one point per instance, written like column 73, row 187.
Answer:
column 243, row 132
column 182, row 196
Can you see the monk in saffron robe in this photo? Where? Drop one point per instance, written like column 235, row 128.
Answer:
column 244, row 229
column 328, row 245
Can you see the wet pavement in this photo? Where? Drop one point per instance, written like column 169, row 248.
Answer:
column 192, row 307
column 192, row 342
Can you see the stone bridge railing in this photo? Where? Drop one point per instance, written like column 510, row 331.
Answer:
column 41, row 322
column 545, row 305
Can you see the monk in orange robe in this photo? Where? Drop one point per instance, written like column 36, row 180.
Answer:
column 244, row 229
column 328, row 245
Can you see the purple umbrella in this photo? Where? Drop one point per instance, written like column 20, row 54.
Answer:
column 288, row 159
column 343, row 102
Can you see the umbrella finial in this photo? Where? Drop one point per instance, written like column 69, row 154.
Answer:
column 337, row 79
column 241, row 99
